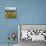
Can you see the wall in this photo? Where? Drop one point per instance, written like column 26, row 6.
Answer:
column 28, row 12
column 6, row 25
column 31, row 11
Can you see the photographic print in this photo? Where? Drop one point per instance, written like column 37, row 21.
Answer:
column 31, row 33
column 10, row 12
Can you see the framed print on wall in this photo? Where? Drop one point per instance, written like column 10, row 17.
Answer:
column 32, row 32
column 10, row 12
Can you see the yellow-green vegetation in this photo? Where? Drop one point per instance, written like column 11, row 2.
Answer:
column 10, row 15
